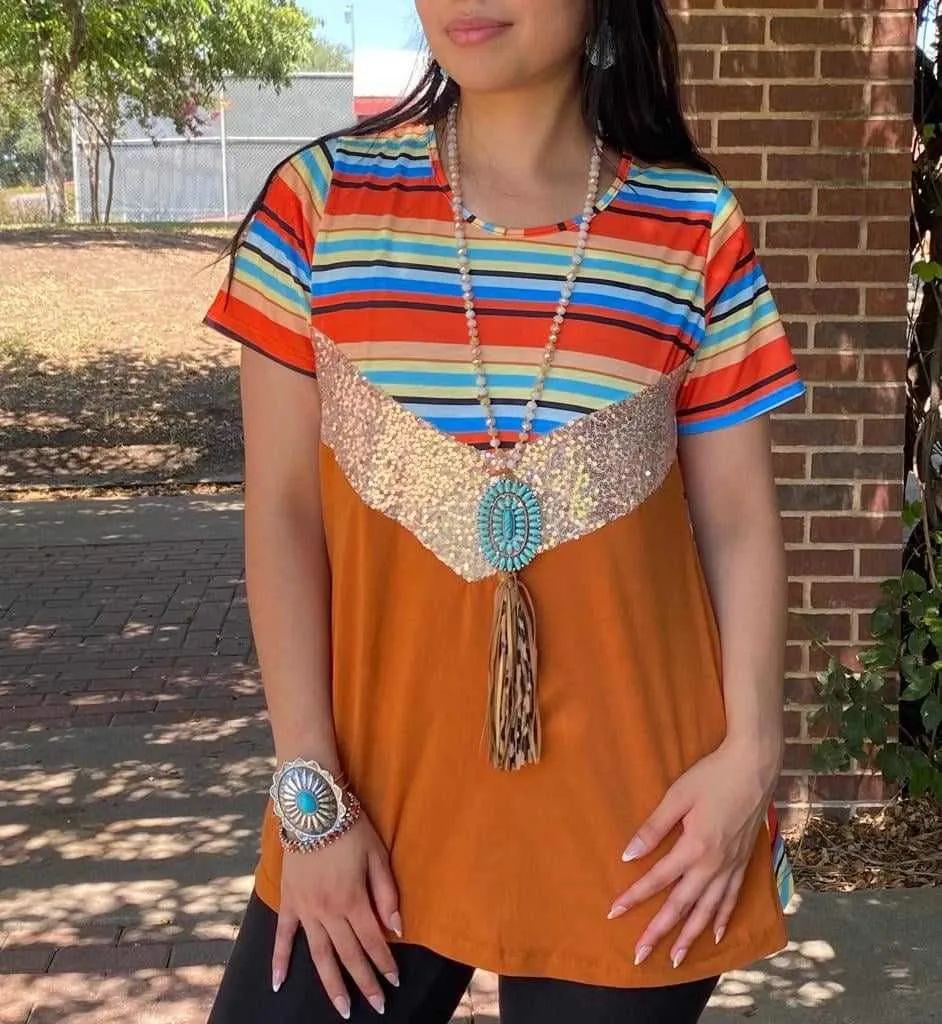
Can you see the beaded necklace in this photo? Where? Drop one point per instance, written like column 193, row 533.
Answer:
column 509, row 515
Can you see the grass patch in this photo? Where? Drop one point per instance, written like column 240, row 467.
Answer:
column 219, row 229
column 26, row 204
column 19, row 190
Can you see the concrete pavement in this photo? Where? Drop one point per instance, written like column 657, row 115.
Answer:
column 134, row 757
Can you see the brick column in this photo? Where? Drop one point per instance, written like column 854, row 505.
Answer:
column 805, row 106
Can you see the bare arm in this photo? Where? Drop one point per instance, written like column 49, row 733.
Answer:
column 723, row 799
column 328, row 893
column 731, row 492
column 287, row 575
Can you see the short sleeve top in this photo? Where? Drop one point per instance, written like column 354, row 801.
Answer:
column 671, row 276
column 347, row 272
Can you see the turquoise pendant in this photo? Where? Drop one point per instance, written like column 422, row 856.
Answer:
column 510, row 524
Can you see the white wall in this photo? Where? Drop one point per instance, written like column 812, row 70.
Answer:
column 387, row 73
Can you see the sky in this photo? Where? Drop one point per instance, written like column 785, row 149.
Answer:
column 380, row 24
column 387, row 37
column 925, row 37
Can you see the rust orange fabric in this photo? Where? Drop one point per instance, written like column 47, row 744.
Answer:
column 516, row 872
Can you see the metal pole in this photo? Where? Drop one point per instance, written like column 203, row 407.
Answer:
column 76, row 169
column 222, row 151
column 351, row 21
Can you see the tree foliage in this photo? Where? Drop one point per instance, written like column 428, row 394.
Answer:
column 145, row 59
column 21, row 142
column 319, row 55
column 167, row 58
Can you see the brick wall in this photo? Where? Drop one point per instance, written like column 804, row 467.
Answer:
column 805, row 106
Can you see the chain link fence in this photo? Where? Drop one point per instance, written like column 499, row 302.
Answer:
column 161, row 175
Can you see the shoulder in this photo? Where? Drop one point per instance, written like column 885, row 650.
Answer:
column 307, row 174
column 289, row 208
column 695, row 193
column 400, row 151
column 679, row 183
column 351, row 160
column 299, row 187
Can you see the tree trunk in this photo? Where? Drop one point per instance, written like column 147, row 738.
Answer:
column 53, row 142
column 92, row 159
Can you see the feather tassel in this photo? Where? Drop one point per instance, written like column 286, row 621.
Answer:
column 514, row 715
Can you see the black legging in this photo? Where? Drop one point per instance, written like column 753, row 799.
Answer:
column 431, row 986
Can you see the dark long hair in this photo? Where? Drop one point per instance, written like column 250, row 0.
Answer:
column 635, row 104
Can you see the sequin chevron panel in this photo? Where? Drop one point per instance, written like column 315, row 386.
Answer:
column 586, row 474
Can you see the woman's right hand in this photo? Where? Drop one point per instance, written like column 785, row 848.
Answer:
column 332, row 893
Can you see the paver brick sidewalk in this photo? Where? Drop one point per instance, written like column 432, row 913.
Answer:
column 134, row 757
column 105, row 618
column 118, row 617
column 126, row 867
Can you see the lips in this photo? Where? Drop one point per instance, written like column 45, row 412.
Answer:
column 470, row 31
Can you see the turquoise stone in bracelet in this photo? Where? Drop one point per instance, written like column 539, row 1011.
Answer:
column 307, row 801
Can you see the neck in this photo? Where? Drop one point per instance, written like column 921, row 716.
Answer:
column 525, row 131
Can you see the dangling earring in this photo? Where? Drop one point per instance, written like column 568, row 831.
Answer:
column 601, row 50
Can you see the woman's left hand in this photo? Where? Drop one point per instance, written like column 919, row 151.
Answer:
column 722, row 802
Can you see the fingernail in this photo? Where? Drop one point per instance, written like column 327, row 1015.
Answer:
column 378, row 1004
column 720, row 932
column 643, row 953
column 616, row 911
column 395, row 922
column 392, row 978
column 277, row 977
column 679, row 958
column 343, row 1006
column 634, row 850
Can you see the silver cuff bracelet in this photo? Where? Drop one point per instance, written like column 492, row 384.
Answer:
column 308, row 800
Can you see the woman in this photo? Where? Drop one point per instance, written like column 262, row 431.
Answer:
column 507, row 733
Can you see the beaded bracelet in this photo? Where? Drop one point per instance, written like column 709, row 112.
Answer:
column 292, row 845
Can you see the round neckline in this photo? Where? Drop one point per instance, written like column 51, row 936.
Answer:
column 571, row 224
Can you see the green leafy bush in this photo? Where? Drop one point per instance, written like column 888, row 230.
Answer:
column 859, row 707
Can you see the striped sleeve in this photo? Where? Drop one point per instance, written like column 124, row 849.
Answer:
column 744, row 366
column 266, row 303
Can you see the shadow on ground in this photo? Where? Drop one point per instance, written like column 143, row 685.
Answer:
column 131, row 826
column 153, row 831
column 110, row 377
column 140, row 840
column 209, row 239
column 868, row 956
column 119, row 419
